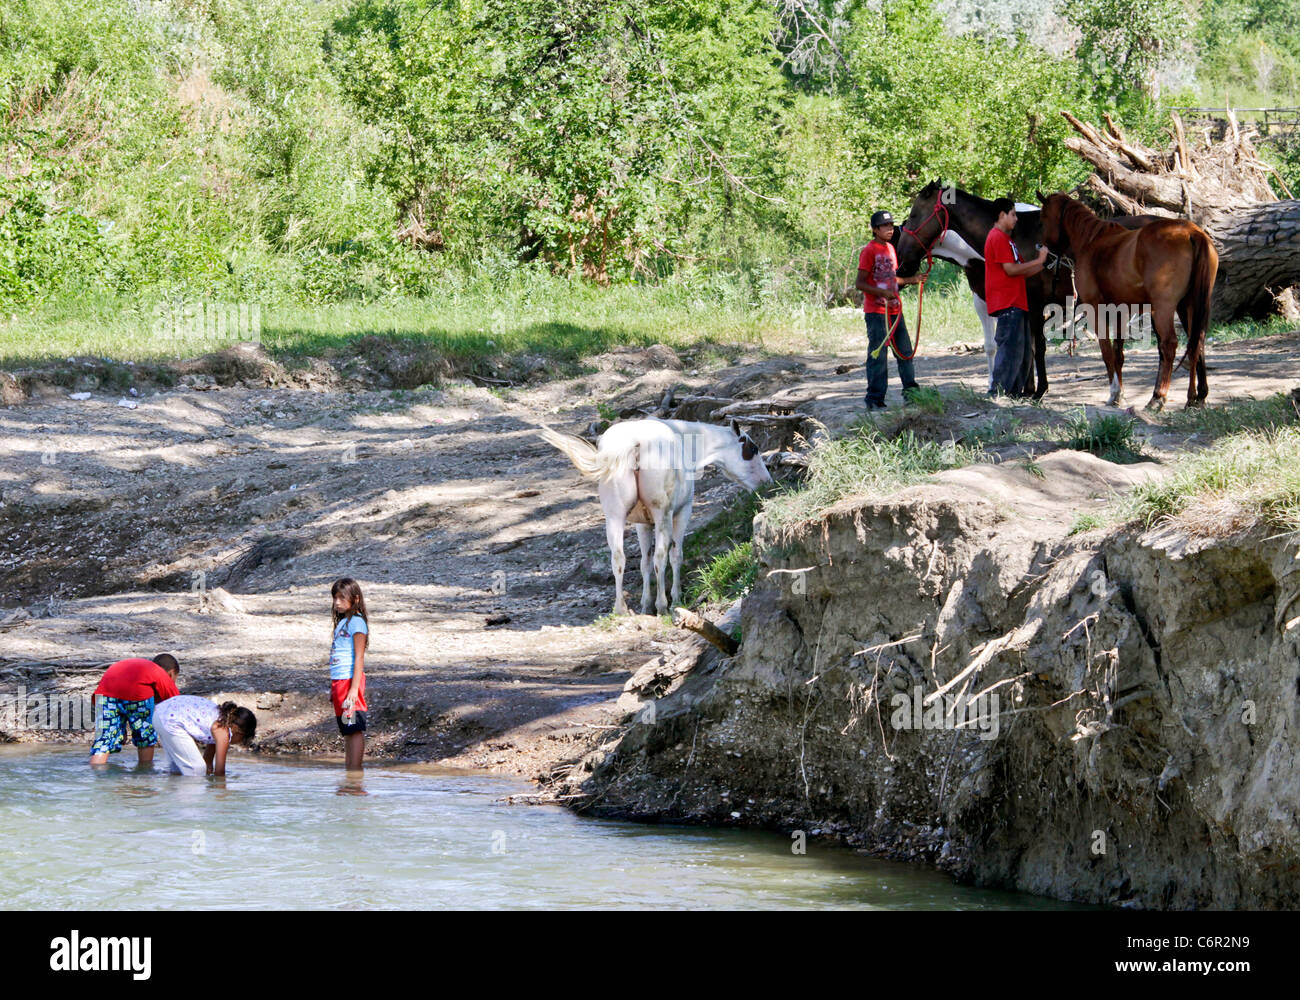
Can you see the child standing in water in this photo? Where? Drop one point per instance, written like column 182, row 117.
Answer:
column 347, row 667
column 186, row 721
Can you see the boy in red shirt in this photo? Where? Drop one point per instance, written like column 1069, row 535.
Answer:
column 126, row 694
column 1004, row 287
column 878, row 282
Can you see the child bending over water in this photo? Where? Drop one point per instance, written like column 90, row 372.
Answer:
column 186, row 721
column 347, row 665
column 127, row 694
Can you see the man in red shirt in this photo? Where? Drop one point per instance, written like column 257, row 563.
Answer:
column 126, row 695
column 878, row 282
column 1004, row 287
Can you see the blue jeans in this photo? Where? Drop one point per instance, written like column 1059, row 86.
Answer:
column 1014, row 352
column 878, row 367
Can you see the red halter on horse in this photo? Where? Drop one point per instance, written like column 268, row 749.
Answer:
column 939, row 207
column 1169, row 264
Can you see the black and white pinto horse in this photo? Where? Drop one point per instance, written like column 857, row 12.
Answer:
column 953, row 224
column 647, row 471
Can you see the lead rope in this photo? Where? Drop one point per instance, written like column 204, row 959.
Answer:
column 920, row 301
column 920, row 292
column 889, row 335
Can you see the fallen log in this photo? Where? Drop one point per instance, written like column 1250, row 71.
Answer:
column 746, row 407
column 699, row 408
column 687, row 619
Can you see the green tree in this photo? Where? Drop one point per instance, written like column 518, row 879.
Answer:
column 1123, row 43
column 927, row 104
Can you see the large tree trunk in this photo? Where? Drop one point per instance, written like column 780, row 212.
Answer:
column 1259, row 252
column 1221, row 186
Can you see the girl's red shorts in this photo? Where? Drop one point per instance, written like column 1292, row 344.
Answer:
column 339, row 692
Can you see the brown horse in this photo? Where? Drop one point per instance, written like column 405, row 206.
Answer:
column 1169, row 265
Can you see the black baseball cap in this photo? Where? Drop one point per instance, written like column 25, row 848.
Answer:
column 881, row 219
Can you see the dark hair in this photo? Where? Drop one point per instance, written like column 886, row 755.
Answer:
column 351, row 590
column 1001, row 205
column 167, row 662
column 244, row 720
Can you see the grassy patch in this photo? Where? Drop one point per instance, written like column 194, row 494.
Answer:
column 1108, row 436
column 467, row 322
column 1238, row 415
column 1244, row 480
column 964, row 397
column 926, row 398
column 606, row 622
column 863, row 462
column 1249, row 329
column 727, row 576
column 1085, row 522
column 555, row 318
column 1004, row 428
column 711, row 562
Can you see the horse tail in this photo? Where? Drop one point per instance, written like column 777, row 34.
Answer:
column 587, row 459
column 1205, row 267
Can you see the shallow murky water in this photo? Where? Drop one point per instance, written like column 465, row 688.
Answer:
column 299, row 835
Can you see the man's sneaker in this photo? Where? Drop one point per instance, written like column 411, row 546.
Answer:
column 875, row 406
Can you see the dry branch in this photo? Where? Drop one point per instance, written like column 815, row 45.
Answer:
column 1223, row 187
column 684, row 618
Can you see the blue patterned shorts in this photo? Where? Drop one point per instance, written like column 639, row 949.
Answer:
column 117, row 718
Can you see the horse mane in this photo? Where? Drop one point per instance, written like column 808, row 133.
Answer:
column 1085, row 220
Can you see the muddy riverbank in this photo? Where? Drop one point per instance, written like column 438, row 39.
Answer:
column 208, row 517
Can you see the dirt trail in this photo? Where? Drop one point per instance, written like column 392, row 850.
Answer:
column 117, row 525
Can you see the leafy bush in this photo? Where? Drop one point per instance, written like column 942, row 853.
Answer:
column 728, row 151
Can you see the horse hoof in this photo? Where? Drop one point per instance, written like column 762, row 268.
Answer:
column 1156, row 405
column 1194, row 404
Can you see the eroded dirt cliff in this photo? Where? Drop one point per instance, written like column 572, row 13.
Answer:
column 1128, row 698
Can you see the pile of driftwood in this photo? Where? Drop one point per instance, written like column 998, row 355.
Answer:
column 1222, row 185
column 774, row 423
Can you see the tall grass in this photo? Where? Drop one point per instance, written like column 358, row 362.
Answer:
column 727, row 576
column 864, row 463
column 1106, row 436
column 1246, row 479
column 524, row 310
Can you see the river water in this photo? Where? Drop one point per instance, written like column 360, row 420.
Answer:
column 289, row 835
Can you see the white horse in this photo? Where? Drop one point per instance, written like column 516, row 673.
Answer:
column 647, row 471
